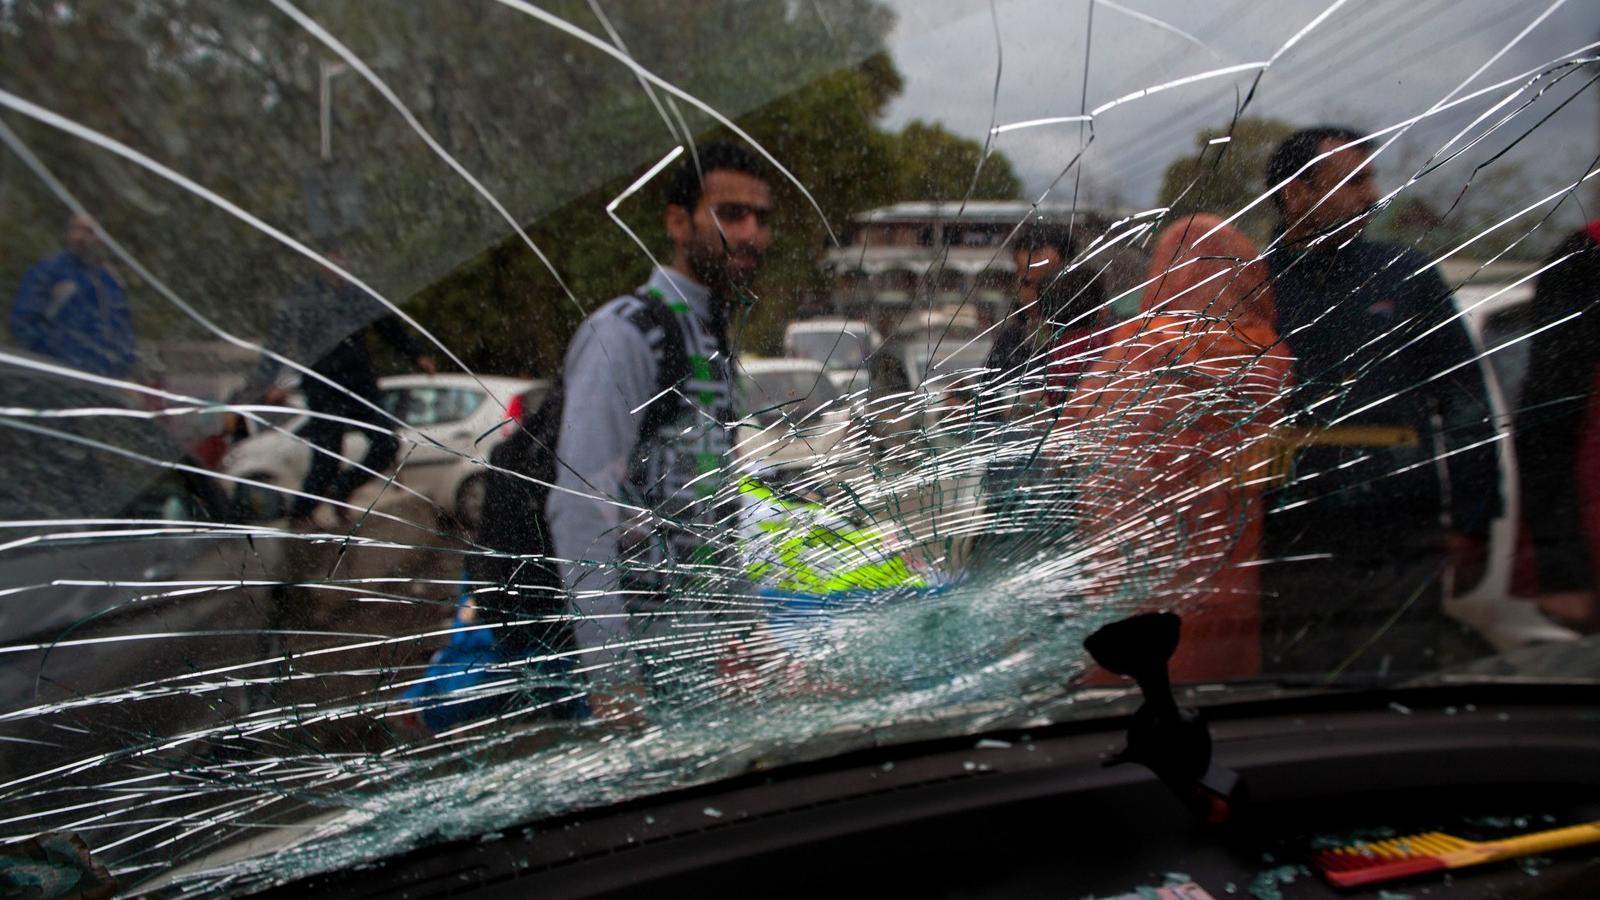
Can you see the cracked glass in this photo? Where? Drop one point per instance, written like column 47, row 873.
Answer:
column 427, row 419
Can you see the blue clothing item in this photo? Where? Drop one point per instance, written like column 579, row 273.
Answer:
column 790, row 614
column 1376, row 342
column 77, row 314
column 473, row 660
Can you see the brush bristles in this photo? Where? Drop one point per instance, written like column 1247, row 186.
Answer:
column 1399, row 857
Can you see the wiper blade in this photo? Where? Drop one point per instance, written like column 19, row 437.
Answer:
column 1455, row 678
column 1172, row 742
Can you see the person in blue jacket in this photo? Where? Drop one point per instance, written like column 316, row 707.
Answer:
column 72, row 309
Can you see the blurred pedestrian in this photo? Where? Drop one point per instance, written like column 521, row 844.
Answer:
column 1397, row 478
column 645, row 423
column 1558, row 432
column 1057, row 325
column 325, row 327
column 1058, row 320
column 1177, row 410
column 72, row 308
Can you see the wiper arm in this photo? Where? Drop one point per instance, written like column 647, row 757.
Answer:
column 1172, row 742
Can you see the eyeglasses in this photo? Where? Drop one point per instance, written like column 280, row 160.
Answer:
column 730, row 213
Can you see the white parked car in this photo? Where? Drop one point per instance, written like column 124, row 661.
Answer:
column 1498, row 317
column 940, row 324
column 792, row 411
column 839, row 344
column 462, row 413
column 917, row 380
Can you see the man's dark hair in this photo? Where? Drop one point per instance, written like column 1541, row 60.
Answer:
column 1300, row 148
column 1071, row 293
column 1038, row 235
column 687, row 181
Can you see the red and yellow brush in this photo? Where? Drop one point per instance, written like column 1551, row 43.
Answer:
column 1435, row 851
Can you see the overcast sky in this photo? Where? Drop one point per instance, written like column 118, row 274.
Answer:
column 1370, row 62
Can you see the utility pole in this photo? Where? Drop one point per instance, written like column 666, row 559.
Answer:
column 328, row 71
column 334, row 204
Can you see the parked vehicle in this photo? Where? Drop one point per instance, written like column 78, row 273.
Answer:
column 451, row 424
column 792, row 411
column 839, row 344
column 781, row 389
column 942, row 322
column 938, row 372
column 1497, row 316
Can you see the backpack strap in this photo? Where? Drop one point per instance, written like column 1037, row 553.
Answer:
column 675, row 353
column 673, row 366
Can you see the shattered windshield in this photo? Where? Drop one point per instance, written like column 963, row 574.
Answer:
column 837, row 349
column 1276, row 315
column 775, row 396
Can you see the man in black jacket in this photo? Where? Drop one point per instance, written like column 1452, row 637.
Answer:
column 326, row 327
column 1396, row 477
column 1055, row 330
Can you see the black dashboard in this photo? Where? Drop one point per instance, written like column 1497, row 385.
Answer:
column 1036, row 813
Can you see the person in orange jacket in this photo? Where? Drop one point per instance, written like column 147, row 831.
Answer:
column 1168, row 431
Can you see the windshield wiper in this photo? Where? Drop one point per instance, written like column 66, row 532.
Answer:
column 1172, row 742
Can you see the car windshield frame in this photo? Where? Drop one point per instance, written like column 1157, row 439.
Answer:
column 1278, row 319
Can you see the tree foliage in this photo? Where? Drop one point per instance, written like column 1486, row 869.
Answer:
column 934, row 164
column 826, row 133
column 227, row 93
column 1224, row 178
column 1441, row 211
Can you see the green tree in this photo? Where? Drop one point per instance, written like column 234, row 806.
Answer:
column 227, row 93
column 826, row 133
column 1225, row 177
column 1443, row 210
column 934, row 164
